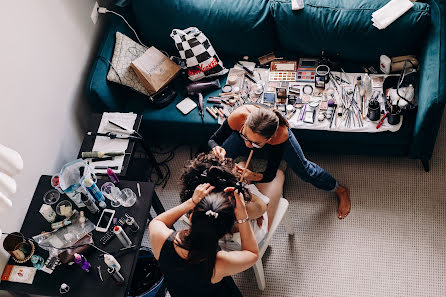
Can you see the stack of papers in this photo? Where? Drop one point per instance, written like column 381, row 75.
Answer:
column 387, row 14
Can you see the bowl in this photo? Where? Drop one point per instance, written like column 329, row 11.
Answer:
column 51, row 197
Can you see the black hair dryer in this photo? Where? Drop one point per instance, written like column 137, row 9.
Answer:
column 198, row 87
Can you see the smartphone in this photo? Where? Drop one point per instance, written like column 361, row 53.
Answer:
column 105, row 220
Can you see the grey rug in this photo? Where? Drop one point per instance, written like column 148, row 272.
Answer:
column 392, row 243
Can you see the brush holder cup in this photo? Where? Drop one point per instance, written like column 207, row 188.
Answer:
column 374, row 112
column 394, row 116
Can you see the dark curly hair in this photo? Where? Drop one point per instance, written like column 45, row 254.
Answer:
column 209, row 168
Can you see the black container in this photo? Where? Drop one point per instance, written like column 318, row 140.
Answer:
column 394, row 116
column 374, row 112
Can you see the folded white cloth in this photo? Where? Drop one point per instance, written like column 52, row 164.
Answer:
column 387, row 14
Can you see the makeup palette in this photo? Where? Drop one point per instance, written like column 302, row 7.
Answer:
column 283, row 71
column 306, row 71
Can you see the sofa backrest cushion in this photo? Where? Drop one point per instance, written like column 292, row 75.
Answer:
column 344, row 27
column 241, row 27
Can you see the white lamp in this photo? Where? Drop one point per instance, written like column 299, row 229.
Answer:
column 11, row 163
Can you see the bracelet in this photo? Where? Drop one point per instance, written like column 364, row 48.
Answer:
column 242, row 221
column 192, row 198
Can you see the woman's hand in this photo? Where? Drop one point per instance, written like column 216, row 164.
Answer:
column 240, row 206
column 201, row 191
column 219, row 151
column 249, row 176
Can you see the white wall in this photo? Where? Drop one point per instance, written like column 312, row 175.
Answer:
column 46, row 50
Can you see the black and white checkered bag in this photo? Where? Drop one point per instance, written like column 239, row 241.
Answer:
column 198, row 53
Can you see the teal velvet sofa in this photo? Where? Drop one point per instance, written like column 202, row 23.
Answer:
column 341, row 28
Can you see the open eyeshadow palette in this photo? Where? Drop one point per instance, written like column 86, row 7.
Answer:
column 283, row 71
column 306, row 70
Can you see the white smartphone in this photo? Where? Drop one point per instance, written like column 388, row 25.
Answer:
column 105, row 220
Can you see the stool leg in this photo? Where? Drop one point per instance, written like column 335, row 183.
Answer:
column 260, row 275
column 288, row 223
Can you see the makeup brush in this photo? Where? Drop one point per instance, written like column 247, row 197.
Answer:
column 247, row 164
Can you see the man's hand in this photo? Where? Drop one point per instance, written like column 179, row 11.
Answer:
column 249, row 176
column 201, row 191
column 219, row 151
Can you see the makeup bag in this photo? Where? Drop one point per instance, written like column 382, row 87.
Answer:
column 196, row 50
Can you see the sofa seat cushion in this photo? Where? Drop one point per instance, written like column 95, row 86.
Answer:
column 344, row 27
column 242, row 27
column 169, row 125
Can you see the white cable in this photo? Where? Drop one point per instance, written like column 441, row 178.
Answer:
column 105, row 10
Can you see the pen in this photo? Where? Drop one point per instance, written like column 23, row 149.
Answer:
column 102, row 159
column 303, row 112
column 105, row 167
column 250, row 78
column 139, row 189
column 120, row 127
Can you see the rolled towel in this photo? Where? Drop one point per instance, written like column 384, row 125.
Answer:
column 387, row 14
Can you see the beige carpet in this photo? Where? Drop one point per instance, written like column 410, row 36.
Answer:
column 392, row 243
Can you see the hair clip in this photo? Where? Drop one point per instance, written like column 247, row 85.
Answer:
column 212, row 213
column 204, row 173
column 239, row 186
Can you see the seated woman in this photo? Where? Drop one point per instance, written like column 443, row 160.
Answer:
column 254, row 126
column 210, row 168
column 190, row 259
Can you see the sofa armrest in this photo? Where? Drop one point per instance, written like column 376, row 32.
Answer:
column 432, row 90
column 102, row 94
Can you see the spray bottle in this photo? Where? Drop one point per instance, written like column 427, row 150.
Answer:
column 112, row 262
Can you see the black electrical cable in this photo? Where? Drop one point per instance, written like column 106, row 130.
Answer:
column 163, row 164
column 400, row 81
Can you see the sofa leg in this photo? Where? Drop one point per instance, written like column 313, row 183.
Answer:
column 426, row 165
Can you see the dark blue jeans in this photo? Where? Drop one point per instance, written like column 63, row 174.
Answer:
column 295, row 158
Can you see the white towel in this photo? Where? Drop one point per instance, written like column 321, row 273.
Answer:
column 387, row 14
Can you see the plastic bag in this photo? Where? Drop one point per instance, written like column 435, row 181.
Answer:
column 66, row 236
column 70, row 180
